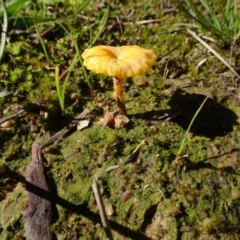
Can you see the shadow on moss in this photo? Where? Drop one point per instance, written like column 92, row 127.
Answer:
column 213, row 120
column 81, row 210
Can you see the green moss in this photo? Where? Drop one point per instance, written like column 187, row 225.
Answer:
column 10, row 214
column 195, row 197
column 14, row 48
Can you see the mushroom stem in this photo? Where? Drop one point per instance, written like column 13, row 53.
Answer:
column 117, row 94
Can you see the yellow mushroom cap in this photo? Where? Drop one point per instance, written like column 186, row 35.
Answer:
column 120, row 62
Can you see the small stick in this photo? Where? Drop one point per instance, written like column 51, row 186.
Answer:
column 60, row 134
column 102, row 211
column 141, row 22
column 133, row 156
column 19, row 112
column 216, row 54
column 36, row 40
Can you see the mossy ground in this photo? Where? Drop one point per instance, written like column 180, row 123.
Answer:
column 157, row 196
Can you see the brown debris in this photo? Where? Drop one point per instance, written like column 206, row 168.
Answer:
column 60, row 134
column 38, row 209
column 113, row 119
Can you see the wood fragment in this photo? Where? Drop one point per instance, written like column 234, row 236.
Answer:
column 38, row 207
column 29, row 107
column 133, row 156
column 111, row 168
column 102, row 211
column 59, row 135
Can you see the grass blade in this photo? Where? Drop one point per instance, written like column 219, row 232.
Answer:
column 212, row 51
column 58, row 87
column 102, row 26
column 12, row 7
column 4, row 30
column 42, row 42
column 185, row 141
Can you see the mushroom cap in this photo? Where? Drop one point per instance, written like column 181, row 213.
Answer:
column 120, row 62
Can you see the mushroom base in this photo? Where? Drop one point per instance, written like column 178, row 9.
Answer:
column 121, row 106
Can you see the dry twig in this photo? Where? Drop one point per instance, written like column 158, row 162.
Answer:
column 133, row 156
column 19, row 112
column 212, row 51
column 59, row 135
column 102, row 211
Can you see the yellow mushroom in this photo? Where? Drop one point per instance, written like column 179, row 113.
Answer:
column 120, row 63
